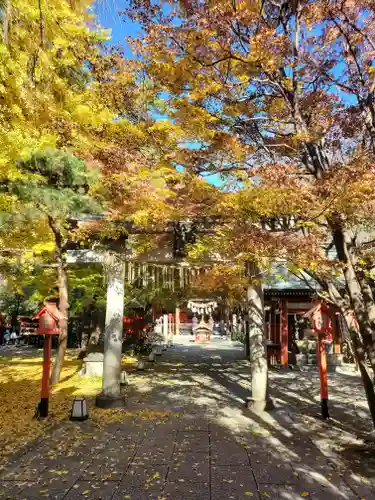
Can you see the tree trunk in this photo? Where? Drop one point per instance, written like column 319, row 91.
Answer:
column 7, row 9
column 62, row 283
column 63, row 323
column 113, row 330
column 360, row 357
column 259, row 400
column 355, row 336
column 363, row 306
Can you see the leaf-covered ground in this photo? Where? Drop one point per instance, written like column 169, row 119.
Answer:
column 20, row 379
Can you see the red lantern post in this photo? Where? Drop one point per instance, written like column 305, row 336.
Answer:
column 322, row 358
column 284, row 334
column 322, row 325
column 48, row 317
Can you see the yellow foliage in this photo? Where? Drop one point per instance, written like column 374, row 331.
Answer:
column 20, row 379
column 45, row 99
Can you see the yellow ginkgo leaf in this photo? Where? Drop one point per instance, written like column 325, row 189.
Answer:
column 249, row 494
column 305, row 494
column 86, row 492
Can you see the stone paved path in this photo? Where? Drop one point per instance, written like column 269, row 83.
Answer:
column 187, row 436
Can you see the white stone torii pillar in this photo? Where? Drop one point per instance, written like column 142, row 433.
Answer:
column 110, row 396
column 165, row 330
column 260, row 400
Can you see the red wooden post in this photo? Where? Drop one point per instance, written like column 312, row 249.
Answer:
column 284, row 333
column 322, row 358
column 48, row 317
column 177, row 329
column 44, row 395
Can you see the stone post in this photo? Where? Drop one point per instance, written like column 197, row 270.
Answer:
column 111, row 395
column 234, row 327
column 259, row 400
column 247, row 336
column 165, row 330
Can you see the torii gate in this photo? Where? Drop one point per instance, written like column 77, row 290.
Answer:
column 165, row 266
column 172, row 255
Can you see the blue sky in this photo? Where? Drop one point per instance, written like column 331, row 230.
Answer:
column 107, row 12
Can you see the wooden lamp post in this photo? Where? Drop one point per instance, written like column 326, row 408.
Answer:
column 48, row 317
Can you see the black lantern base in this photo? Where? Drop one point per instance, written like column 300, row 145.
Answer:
column 108, row 402
column 43, row 408
column 325, row 412
column 79, row 419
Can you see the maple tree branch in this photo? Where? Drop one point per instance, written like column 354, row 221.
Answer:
column 351, row 50
column 355, row 28
column 41, row 23
column 6, row 20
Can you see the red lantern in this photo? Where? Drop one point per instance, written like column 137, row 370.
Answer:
column 322, row 322
column 49, row 317
column 321, row 319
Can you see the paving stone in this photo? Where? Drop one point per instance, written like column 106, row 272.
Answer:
column 22, row 472
column 189, row 466
column 154, row 455
column 160, row 440
column 274, row 473
column 194, row 425
column 363, row 487
column 283, row 492
column 186, row 490
column 108, row 469
column 310, row 455
column 317, row 475
column 192, row 441
column 13, row 489
column 228, row 453
column 125, row 492
column 122, row 444
column 143, row 475
column 334, row 494
column 94, row 490
column 326, row 485
column 63, row 465
column 232, row 482
column 165, row 428
column 222, row 458
column 218, row 431
column 49, row 487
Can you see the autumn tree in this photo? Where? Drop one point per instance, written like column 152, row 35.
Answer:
column 65, row 97
column 279, row 95
column 55, row 185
